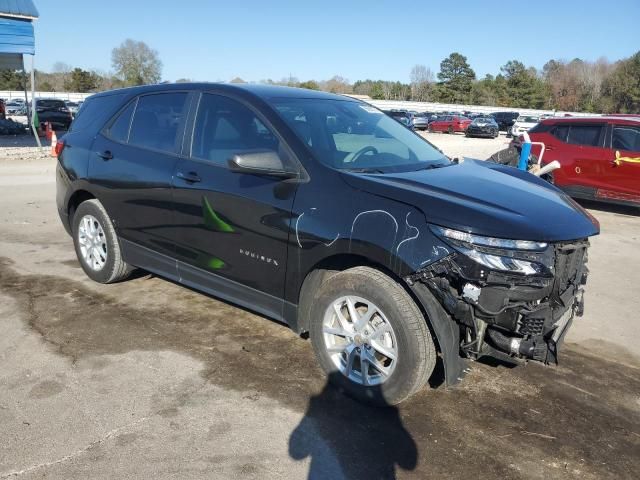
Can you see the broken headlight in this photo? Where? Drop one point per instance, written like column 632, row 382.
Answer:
column 515, row 256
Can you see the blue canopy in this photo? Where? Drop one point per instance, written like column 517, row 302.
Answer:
column 18, row 9
column 16, row 36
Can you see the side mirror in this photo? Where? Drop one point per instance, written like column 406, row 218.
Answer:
column 261, row 162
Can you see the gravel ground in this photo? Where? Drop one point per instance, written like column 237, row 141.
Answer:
column 147, row 379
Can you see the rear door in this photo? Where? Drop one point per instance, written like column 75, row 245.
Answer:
column 131, row 166
column 231, row 229
column 585, row 144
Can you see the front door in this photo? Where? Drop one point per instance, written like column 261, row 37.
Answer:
column 228, row 225
column 625, row 173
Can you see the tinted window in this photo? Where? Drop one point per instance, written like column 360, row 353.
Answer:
column 587, row 135
column 50, row 104
column 157, row 121
column 95, row 112
column 225, row 127
column 119, row 129
column 626, row 137
column 560, row 132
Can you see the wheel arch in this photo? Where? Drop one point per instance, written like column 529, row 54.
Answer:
column 328, row 266
column 76, row 198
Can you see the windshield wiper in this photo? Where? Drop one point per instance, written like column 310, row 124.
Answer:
column 365, row 170
column 435, row 165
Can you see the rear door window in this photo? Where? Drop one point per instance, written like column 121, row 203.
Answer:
column 158, row 121
column 586, row 135
column 626, row 137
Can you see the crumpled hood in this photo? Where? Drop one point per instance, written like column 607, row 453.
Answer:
column 487, row 199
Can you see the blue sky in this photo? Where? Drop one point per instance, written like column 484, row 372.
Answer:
column 209, row 40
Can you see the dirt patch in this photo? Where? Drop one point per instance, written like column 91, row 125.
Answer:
column 580, row 420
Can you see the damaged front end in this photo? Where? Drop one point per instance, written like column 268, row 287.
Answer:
column 511, row 299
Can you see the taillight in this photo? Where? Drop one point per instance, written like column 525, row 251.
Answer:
column 59, row 147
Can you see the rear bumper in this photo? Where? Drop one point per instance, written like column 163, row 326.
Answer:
column 62, row 197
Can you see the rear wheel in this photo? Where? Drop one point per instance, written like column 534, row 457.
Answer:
column 450, row 129
column 97, row 245
column 430, row 129
column 370, row 337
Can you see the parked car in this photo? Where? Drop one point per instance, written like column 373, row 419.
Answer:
column 449, row 124
column 505, row 120
column 587, row 148
column 14, row 107
column 421, row 120
column 54, row 111
column 72, row 106
column 404, row 117
column 523, row 124
column 377, row 246
column 483, row 127
column 3, row 113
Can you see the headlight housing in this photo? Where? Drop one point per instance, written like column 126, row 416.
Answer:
column 524, row 257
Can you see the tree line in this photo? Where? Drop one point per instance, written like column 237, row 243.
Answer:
column 576, row 85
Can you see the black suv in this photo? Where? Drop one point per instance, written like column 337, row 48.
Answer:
column 372, row 242
column 53, row 111
column 505, row 120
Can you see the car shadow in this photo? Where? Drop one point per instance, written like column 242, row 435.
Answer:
column 347, row 439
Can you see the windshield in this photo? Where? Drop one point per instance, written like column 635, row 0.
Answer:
column 353, row 135
column 527, row 119
column 483, row 120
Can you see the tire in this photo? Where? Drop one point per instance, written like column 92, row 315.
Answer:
column 430, row 129
column 450, row 130
column 408, row 337
column 102, row 261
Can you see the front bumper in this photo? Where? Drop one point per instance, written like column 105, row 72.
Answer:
column 511, row 316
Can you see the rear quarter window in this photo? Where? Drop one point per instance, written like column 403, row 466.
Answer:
column 94, row 112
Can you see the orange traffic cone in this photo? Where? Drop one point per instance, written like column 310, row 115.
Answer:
column 48, row 130
column 54, row 142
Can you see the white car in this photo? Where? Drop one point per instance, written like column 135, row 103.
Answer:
column 523, row 123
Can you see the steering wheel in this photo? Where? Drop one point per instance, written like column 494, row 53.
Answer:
column 354, row 156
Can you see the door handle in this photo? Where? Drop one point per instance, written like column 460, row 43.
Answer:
column 106, row 155
column 191, row 177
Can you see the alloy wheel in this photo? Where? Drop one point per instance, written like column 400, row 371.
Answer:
column 360, row 340
column 92, row 242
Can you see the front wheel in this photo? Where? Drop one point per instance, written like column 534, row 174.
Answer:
column 370, row 337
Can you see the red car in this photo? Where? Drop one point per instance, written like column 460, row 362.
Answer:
column 450, row 124
column 599, row 156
